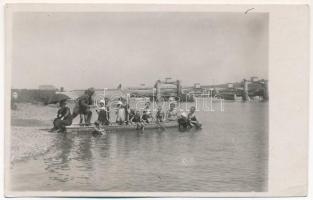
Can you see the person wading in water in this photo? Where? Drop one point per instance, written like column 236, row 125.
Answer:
column 63, row 118
column 193, row 122
column 83, row 105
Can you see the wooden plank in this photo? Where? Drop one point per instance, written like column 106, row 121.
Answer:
column 116, row 127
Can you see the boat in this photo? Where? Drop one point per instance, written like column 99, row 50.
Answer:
column 77, row 128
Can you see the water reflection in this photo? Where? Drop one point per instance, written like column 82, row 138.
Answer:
column 60, row 162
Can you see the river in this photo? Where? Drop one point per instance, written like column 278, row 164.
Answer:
column 230, row 154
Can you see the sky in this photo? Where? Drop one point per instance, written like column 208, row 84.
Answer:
column 102, row 49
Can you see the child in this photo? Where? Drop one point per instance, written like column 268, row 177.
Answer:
column 64, row 118
column 130, row 114
column 160, row 115
column 147, row 115
column 171, row 114
column 138, row 120
column 102, row 115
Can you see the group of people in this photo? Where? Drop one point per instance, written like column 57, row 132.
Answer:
column 82, row 108
column 124, row 114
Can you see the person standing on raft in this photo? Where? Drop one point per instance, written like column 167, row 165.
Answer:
column 83, row 105
column 63, row 118
column 160, row 115
column 102, row 115
column 120, row 113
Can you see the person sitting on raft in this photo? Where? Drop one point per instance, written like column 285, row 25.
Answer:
column 193, row 122
column 147, row 114
column 131, row 114
column 103, row 118
column 137, row 119
column 171, row 114
column 160, row 116
column 63, row 119
column 83, row 105
column 120, row 113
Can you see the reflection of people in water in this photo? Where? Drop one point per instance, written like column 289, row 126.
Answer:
column 58, row 162
column 69, row 148
column 63, row 118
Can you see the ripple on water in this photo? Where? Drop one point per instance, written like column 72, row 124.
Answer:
column 29, row 142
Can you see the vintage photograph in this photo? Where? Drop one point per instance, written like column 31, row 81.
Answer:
column 139, row 101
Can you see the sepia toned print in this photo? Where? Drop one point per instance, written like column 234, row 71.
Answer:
column 121, row 101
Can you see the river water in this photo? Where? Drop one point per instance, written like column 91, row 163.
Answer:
column 230, row 154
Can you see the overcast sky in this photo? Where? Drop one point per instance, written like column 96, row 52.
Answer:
column 80, row 50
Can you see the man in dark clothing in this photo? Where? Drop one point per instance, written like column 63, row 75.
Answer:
column 63, row 118
column 82, row 106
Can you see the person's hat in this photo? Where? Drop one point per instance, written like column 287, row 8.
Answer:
column 91, row 90
column 102, row 101
column 119, row 103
